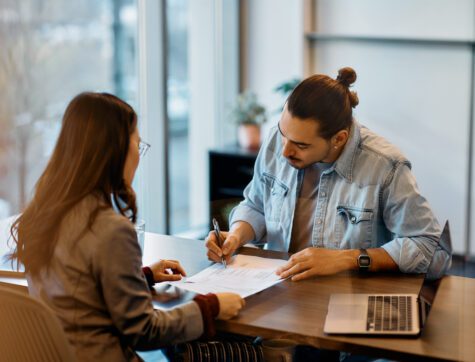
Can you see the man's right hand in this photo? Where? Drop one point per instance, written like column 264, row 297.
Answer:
column 230, row 245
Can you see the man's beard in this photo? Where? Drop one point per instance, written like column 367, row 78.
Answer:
column 296, row 162
column 290, row 160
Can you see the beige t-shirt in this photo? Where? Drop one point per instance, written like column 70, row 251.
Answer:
column 305, row 207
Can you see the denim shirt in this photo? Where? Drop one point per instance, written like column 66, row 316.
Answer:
column 367, row 199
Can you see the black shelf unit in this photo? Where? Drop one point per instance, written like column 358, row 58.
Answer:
column 230, row 170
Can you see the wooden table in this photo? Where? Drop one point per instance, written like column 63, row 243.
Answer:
column 297, row 310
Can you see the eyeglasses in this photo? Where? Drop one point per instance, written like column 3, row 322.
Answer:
column 143, row 148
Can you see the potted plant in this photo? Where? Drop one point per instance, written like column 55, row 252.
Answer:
column 249, row 115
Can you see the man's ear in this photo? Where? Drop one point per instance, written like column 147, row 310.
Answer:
column 340, row 138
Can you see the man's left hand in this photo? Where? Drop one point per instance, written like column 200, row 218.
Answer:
column 317, row 261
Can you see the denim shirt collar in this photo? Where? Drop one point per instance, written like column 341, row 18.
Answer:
column 344, row 164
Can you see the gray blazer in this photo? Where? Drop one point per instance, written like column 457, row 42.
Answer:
column 95, row 286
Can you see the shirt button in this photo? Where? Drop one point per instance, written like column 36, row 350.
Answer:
column 353, row 219
column 319, row 221
column 324, row 194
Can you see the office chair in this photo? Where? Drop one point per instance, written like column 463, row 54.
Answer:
column 29, row 331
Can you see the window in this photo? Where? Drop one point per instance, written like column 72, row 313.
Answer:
column 202, row 83
column 51, row 51
column 178, row 114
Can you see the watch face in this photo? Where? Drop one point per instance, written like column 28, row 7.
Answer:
column 364, row 261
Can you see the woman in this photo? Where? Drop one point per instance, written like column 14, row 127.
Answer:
column 82, row 258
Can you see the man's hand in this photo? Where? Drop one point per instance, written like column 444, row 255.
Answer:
column 167, row 271
column 317, row 261
column 229, row 246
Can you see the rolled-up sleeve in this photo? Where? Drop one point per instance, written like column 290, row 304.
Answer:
column 118, row 267
column 251, row 212
column 415, row 228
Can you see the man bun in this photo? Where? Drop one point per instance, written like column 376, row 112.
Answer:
column 347, row 76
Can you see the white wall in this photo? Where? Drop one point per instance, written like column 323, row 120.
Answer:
column 273, row 47
column 213, row 52
column 425, row 19
column 151, row 173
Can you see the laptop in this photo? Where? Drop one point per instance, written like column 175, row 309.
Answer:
column 386, row 314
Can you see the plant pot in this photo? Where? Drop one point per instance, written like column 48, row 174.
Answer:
column 249, row 136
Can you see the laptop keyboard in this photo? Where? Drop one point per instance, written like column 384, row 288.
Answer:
column 389, row 313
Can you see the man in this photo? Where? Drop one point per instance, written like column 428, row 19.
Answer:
column 332, row 192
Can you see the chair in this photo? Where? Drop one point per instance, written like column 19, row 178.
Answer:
column 29, row 331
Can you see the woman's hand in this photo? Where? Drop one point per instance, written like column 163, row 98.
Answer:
column 229, row 305
column 167, row 271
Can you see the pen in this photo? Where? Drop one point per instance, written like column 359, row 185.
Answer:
column 217, row 231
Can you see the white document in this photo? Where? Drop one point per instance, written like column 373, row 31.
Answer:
column 245, row 275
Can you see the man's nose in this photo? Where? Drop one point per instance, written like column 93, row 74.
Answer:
column 287, row 149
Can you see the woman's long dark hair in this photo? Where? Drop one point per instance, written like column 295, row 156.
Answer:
column 89, row 158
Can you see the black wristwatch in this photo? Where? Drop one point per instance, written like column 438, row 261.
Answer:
column 364, row 261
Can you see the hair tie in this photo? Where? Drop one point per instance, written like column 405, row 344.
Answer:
column 343, row 81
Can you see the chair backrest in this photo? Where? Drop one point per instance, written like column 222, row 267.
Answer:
column 29, row 331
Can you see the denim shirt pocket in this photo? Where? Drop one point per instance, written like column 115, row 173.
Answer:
column 275, row 191
column 354, row 226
